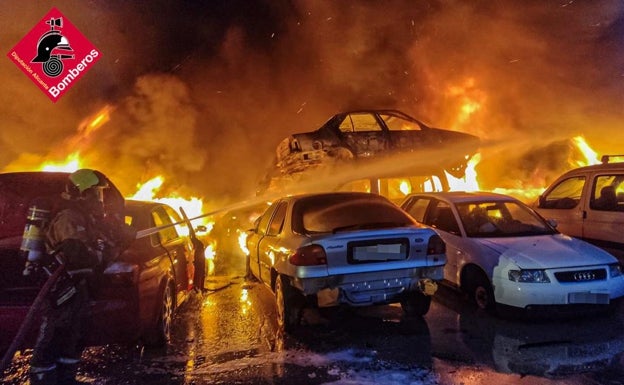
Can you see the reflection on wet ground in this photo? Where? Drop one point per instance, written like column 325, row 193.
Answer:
column 554, row 348
column 228, row 335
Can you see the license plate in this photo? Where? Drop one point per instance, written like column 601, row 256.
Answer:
column 370, row 252
column 592, row 298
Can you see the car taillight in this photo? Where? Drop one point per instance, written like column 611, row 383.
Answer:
column 309, row 256
column 436, row 245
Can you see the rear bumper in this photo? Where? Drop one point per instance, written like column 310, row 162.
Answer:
column 364, row 289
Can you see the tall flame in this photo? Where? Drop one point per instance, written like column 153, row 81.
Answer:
column 469, row 181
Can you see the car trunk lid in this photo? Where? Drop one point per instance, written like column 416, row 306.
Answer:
column 368, row 251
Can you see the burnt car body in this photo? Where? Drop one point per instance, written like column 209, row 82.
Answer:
column 363, row 134
column 136, row 294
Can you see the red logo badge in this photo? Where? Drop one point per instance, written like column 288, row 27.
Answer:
column 54, row 54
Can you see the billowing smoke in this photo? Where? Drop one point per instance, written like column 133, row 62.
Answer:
column 203, row 92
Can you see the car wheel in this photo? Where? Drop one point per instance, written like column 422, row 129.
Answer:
column 288, row 305
column 416, row 304
column 161, row 333
column 482, row 293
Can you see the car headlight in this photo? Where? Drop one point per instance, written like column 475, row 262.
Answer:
column 532, row 275
column 615, row 270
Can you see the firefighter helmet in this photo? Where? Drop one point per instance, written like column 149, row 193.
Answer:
column 82, row 180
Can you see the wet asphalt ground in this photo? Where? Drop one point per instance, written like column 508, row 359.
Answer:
column 228, row 335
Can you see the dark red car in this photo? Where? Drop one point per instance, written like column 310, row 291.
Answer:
column 139, row 291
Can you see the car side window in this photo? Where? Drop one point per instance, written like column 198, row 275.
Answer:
column 417, row 208
column 359, row 123
column 275, row 227
column 608, row 193
column 397, row 124
column 441, row 217
column 264, row 220
column 565, row 195
column 161, row 218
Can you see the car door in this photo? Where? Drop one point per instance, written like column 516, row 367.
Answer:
column 254, row 238
column 563, row 202
column 440, row 216
column 269, row 245
column 177, row 249
column 603, row 223
column 363, row 134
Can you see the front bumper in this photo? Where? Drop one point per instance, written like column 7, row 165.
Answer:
column 523, row 295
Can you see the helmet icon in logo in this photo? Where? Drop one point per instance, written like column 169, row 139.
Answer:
column 48, row 47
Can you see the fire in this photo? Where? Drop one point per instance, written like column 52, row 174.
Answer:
column 192, row 207
column 469, row 181
column 472, row 100
column 210, row 255
column 70, row 164
column 591, row 157
column 242, row 241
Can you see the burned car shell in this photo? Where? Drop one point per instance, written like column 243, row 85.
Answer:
column 368, row 133
column 126, row 303
column 325, row 248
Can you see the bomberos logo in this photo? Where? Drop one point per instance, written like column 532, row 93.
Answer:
column 54, row 54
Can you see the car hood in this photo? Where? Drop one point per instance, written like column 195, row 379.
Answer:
column 547, row 251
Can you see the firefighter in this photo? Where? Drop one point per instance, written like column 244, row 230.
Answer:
column 82, row 241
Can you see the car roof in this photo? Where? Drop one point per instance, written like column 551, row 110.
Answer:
column 466, row 196
column 595, row 168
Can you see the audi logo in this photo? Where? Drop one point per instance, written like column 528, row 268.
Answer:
column 584, row 276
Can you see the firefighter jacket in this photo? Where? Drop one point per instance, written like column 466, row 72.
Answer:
column 74, row 233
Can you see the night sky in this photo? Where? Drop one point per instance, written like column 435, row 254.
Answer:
column 202, row 91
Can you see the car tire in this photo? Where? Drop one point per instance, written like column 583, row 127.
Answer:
column 160, row 334
column 288, row 304
column 481, row 292
column 416, row 304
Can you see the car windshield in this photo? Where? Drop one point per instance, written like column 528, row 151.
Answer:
column 501, row 219
column 344, row 213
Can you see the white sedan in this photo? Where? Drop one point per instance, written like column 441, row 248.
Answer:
column 500, row 251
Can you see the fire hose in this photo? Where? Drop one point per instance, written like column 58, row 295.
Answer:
column 30, row 317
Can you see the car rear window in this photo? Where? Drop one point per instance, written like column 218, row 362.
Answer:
column 343, row 212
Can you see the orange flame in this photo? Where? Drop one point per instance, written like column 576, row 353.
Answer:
column 70, row 164
column 469, row 181
column 192, row 206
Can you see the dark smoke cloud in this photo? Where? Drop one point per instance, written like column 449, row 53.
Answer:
column 204, row 91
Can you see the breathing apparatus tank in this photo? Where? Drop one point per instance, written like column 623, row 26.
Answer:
column 33, row 240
